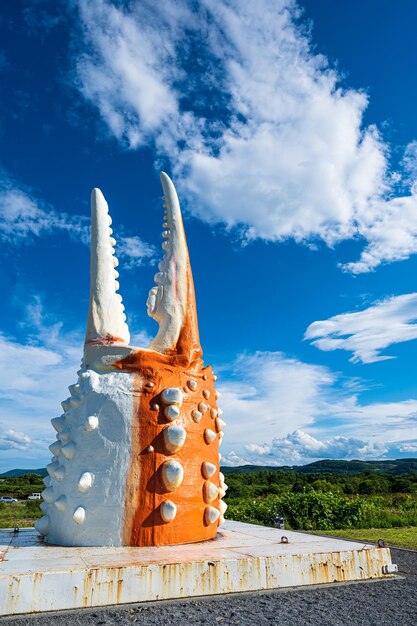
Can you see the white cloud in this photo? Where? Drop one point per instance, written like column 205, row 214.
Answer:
column 135, row 251
column 408, row 447
column 12, row 440
column 234, row 460
column 264, row 395
column 141, row 339
column 260, row 133
column 294, row 161
column 36, row 372
column 366, row 333
column 283, row 411
column 299, row 447
column 130, row 65
column 390, row 229
column 24, row 217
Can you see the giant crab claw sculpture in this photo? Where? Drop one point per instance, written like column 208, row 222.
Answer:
column 136, row 458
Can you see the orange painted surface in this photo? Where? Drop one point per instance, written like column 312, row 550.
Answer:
column 188, row 343
column 145, row 491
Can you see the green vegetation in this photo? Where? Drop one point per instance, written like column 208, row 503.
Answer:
column 402, row 537
column 360, row 505
column 278, row 482
column 313, row 510
column 23, row 514
column 21, row 486
column 323, row 501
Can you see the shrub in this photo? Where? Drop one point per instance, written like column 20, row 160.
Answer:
column 32, row 508
column 321, row 511
column 303, row 511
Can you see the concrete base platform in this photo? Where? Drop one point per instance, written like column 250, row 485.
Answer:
column 38, row 577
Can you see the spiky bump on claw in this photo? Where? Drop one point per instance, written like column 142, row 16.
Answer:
column 42, row 525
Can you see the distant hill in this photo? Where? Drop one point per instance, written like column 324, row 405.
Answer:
column 244, row 469
column 397, row 466
column 21, row 472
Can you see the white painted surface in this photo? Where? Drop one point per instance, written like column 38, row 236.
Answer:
column 37, row 577
column 106, row 313
column 85, row 499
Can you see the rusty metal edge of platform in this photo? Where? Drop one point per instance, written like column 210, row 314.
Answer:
column 105, row 586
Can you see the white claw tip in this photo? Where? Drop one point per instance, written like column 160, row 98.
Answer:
column 91, row 423
column 209, row 435
column 223, row 507
column 42, row 525
column 79, row 515
column 210, row 491
column 104, row 317
column 174, row 438
column 168, row 511
column 171, row 412
column 68, row 450
column 96, row 195
column 172, row 395
column 172, row 475
column 208, row 469
column 220, row 425
column 211, row 515
column 196, row 415
column 61, row 503
column 48, row 494
column 85, row 482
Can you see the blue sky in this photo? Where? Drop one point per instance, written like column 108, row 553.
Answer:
column 290, row 132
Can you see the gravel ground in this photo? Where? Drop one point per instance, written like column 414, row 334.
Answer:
column 374, row 603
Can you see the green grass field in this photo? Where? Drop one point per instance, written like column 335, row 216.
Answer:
column 363, row 506
column 24, row 514
column 401, row 537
